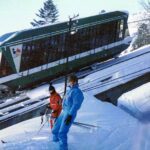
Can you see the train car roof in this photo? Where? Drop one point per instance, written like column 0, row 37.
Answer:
column 18, row 37
column 5, row 37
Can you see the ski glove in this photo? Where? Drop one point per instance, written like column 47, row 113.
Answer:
column 48, row 106
column 53, row 111
column 68, row 120
column 42, row 113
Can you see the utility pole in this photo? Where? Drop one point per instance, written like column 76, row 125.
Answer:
column 71, row 30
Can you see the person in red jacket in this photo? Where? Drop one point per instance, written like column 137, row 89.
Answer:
column 55, row 105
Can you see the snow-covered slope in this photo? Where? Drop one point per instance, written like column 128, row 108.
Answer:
column 116, row 130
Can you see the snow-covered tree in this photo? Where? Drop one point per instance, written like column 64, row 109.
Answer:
column 48, row 14
column 143, row 35
column 146, row 5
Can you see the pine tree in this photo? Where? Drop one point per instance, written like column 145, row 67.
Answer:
column 48, row 14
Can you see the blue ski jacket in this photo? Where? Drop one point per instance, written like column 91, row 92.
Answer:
column 73, row 100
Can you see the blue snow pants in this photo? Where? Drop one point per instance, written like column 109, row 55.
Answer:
column 60, row 130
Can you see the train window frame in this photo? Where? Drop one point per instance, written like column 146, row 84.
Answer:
column 121, row 28
column 127, row 32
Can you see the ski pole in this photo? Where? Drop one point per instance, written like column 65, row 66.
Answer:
column 3, row 141
column 41, row 127
column 43, row 115
column 42, row 121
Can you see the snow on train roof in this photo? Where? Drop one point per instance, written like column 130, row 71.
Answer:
column 6, row 37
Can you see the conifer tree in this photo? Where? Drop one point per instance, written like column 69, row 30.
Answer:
column 48, row 14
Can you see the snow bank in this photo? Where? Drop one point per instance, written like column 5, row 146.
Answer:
column 137, row 101
column 130, row 50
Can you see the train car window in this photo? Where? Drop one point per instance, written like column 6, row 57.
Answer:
column 85, row 37
column 73, row 44
column 45, row 51
column 58, row 47
column 115, row 31
column 112, row 32
column 122, row 24
column 62, row 46
column 0, row 57
column 121, row 29
column 127, row 32
column 5, row 68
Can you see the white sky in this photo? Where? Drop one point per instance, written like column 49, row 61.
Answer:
column 17, row 14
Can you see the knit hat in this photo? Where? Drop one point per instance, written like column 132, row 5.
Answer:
column 73, row 78
column 51, row 88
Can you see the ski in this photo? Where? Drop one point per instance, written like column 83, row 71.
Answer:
column 3, row 141
column 88, row 125
column 82, row 126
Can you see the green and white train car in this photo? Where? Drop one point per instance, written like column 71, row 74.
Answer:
column 31, row 56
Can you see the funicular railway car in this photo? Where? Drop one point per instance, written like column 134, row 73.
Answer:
column 31, row 56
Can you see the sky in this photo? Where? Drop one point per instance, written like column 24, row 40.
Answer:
column 17, row 14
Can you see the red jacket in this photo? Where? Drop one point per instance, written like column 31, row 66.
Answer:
column 55, row 104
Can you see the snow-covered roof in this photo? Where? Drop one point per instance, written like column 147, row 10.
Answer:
column 6, row 37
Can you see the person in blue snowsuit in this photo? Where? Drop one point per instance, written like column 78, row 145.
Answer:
column 71, row 104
